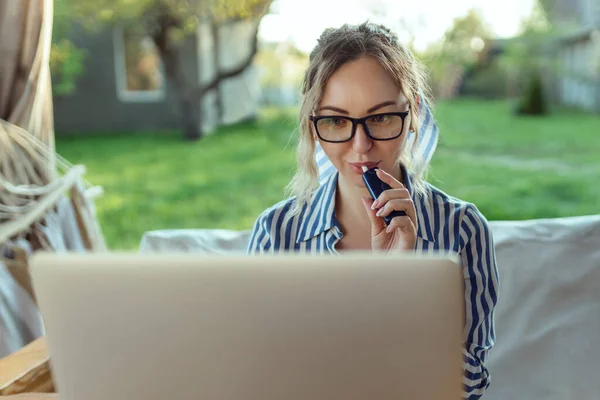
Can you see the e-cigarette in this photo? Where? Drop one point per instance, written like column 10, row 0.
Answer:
column 376, row 186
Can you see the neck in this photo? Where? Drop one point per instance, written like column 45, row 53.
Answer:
column 349, row 205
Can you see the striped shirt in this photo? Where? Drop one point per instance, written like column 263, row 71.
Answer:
column 444, row 224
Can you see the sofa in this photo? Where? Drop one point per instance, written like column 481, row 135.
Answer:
column 547, row 319
column 548, row 316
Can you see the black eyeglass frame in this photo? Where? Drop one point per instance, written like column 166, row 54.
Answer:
column 356, row 121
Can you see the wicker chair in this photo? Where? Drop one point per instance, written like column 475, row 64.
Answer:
column 30, row 198
column 26, row 374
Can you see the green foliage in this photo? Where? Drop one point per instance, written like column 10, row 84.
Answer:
column 531, row 56
column 459, row 41
column 459, row 50
column 533, row 100
column 67, row 61
column 511, row 168
column 490, row 81
column 66, row 65
column 181, row 17
column 184, row 14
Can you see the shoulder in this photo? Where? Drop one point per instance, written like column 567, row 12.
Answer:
column 464, row 217
column 277, row 213
column 276, row 227
column 465, row 230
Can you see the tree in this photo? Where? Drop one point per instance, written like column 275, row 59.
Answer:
column 530, row 59
column 457, row 51
column 465, row 39
column 167, row 23
column 66, row 59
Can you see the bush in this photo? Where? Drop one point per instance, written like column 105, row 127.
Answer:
column 533, row 100
column 489, row 82
column 67, row 64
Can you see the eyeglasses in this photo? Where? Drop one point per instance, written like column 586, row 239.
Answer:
column 339, row 129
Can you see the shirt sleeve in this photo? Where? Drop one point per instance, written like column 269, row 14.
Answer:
column 260, row 241
column 481, row 295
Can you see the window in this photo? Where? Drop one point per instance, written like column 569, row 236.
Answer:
column 139, row 71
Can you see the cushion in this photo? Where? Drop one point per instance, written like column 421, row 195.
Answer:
column 20, row 319
column 207, row 241
column 548, row 316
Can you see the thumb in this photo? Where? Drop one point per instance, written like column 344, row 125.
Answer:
column 377, row 223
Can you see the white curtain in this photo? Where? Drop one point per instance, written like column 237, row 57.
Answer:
column 25, row 85
column 44, row 201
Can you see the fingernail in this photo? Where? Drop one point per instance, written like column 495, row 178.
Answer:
column 379, row 212
column 375, row 204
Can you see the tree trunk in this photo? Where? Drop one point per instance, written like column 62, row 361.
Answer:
column 220, row 76
column 190, row 98
column 190, row 115
column 189, row 104
column 217, row 68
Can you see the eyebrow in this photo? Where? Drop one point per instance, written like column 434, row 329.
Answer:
column 370, row 110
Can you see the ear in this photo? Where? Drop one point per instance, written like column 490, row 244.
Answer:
column 417, row 111
column 313, row 133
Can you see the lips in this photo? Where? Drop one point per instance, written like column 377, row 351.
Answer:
column 368, row 164
column 357, row 167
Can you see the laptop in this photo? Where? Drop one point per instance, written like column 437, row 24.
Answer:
column 273, row 327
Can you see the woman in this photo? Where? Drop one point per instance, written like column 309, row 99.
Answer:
column 363, row 99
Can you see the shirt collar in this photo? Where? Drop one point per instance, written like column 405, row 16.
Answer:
column 319, row 215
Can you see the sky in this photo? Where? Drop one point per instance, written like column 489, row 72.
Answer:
column 302, row 21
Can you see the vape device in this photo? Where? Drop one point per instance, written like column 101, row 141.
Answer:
column 376, row 186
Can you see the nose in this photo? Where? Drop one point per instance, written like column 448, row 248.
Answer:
column 361, row 143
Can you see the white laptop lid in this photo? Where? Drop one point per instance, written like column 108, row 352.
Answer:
column 357, row 326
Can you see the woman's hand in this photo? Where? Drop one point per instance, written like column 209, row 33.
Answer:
column 401, row 234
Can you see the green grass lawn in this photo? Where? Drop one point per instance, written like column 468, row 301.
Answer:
column 510, row 167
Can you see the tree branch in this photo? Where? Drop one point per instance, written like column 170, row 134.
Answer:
column 222, row 75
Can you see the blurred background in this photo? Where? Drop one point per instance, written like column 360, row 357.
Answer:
column 185, row 111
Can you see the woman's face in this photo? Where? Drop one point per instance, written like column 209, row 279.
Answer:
column 357, row 89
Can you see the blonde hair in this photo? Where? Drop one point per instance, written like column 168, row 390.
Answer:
column 334, row 48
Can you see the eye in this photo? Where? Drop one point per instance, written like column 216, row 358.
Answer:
column 380, row 119
column 334, row 122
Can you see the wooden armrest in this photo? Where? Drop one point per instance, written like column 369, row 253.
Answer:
column 32, row 396
column 27, row 370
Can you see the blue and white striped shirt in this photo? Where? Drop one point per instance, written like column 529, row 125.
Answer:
column 444, row 224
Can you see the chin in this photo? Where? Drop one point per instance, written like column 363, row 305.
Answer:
column 359, row 183
column 353, row 178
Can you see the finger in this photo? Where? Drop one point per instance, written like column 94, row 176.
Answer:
column 389, row 179
column 377, row 224
column 405, row 205
column 404, row 223
column 390, row 194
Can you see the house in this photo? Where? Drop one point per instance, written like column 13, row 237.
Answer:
column 573, row 58
column 124, row 87
column 577, row 50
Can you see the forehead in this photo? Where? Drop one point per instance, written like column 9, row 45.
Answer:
column 360, row 84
